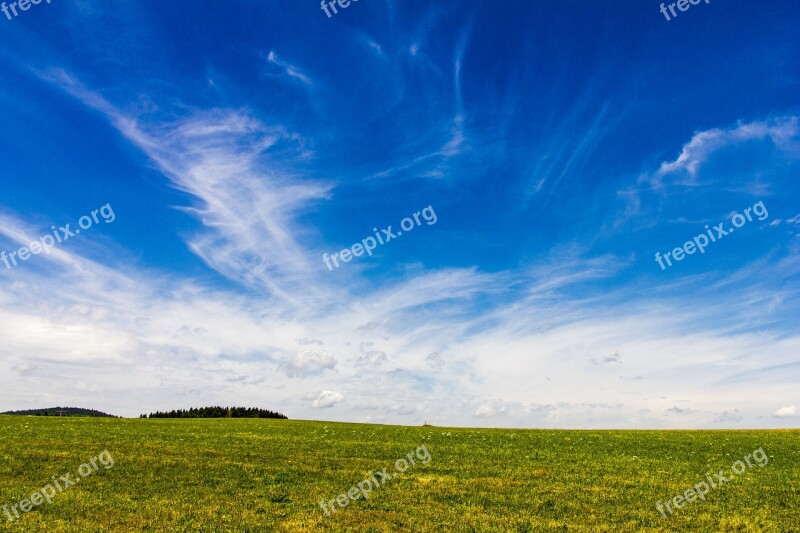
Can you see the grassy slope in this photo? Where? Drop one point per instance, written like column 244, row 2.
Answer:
column 265, row 475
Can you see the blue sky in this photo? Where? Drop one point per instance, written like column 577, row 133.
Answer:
column 560, row 145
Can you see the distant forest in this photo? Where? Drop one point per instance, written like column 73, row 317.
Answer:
column 217, row 412
column 60, row 411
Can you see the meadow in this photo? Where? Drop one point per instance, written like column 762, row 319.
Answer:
column 270, row 475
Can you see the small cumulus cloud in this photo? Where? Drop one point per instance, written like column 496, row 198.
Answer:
column 402, row 409
column 25, row 369
column 725, row 417
column 306, row 341
column 606, row 359
column 370, row 357
column 680, row 411
column 324, row 399
column 488, row 411
column 372, row 327
column 246, row 380
column 435, row 360
column 790, row 411
column 540, row 407
column 309, row 362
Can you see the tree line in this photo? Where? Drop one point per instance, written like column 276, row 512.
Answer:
column 59, row 411
column 217, row 412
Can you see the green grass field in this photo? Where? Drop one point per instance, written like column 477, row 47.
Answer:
column 269, row 475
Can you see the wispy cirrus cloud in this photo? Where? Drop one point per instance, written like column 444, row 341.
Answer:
column 247, row 199
column 782, row 132
column 286, row 68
